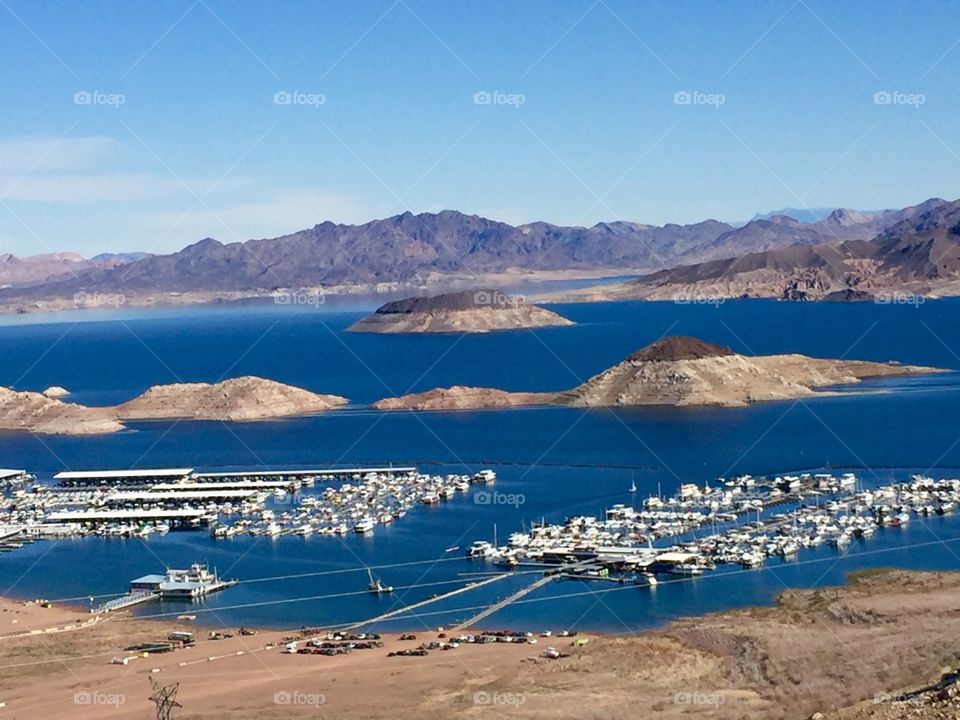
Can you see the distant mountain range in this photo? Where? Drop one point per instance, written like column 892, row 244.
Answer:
column 806, row 215
column 918, row 254
column 34, row 268
column 429, row 249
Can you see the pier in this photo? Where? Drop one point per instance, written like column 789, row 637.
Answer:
column 125, row 601
column 497, row 607
column 425, row 603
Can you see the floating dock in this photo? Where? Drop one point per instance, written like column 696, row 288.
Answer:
column 182, row 584
column 172, row 585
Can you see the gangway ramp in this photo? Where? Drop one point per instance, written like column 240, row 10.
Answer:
column 497, row 607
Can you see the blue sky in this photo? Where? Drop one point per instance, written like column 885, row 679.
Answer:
column 136, row 125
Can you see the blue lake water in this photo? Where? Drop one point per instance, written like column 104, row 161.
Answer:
column 563, row 461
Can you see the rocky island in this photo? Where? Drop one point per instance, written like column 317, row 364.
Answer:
column 680, row 371
column 238, row 399
column 468, row 311
column 37, row 413
column 242, row 398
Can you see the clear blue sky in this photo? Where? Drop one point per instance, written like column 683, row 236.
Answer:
column 199, row 147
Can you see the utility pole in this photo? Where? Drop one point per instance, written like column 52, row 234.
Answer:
column 164, row 697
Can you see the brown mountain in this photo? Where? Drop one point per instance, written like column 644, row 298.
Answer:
column 678, row 347
column 405, row 249
column 33, row 268
column 420, row 250
column 918, row 255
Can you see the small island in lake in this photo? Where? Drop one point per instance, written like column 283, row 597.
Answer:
column 679, row 371
column 468, row 311
column 242, row 398
column 37, row 413
column 237, row 399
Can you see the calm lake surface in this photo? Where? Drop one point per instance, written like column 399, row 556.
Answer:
column 563, row 461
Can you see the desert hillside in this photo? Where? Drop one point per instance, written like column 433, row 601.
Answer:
column 917, row 256
column 686, row 371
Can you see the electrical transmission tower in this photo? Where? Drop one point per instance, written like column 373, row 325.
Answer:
column 165, row 698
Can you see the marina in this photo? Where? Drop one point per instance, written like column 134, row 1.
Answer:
column 138, row 503
column 730, row 523
column 742, row 521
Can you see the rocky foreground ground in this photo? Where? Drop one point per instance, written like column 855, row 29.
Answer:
column 876, row 649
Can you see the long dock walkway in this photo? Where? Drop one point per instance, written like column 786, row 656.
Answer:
column 483, row 614
column 125, row 601
column 428, row 601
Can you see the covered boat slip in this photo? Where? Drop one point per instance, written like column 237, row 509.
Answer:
column 140, row 497
column 81, row 478
column 191, row 479
column 180, row 516
column 294, row 475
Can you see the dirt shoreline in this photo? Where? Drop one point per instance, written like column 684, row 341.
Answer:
column 832, row 650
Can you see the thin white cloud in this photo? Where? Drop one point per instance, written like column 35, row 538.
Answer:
column 270, row 216
column 81, row 188
column 41, row 154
